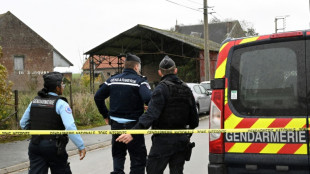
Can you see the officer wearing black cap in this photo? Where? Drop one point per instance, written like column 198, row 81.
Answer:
column 172, row 106
column 128, row 93
column 49, row 111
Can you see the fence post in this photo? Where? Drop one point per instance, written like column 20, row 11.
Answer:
column 16, row 108
column 71, row 100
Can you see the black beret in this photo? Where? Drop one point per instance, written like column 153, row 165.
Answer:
column 52, row 79
column 166, row 63
column 131, row 57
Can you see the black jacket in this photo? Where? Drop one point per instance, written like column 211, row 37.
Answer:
column 165, row 144
column 157, row 104
column 128, row 93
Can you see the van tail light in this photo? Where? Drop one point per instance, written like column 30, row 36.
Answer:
column 216, row 140
column 287, row 34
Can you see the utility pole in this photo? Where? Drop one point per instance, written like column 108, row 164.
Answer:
column 309, row 10
column 206, row 40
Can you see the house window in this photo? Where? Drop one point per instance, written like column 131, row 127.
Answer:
column 19, row 63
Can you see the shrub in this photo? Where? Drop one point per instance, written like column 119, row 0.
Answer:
column 6, row 108
column 85, row 110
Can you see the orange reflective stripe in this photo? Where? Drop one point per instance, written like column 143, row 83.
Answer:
column 239, row 147
column 222, row 59
column 266, row 148
column 247, row 40
column 220, row 71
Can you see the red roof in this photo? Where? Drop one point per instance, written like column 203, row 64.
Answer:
column 103, row 62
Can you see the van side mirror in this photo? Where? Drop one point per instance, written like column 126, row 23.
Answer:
column 208, row 92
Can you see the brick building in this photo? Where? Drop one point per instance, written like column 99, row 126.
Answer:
column 26, row 55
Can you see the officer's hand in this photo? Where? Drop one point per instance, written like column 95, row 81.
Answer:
column 106, row 121
column 145, row 108
column 82, row 153
column 125, row 138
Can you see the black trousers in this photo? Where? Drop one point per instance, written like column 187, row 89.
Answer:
column 44, row 155
column 167, row 149
column 157, row 165
column 136, row 149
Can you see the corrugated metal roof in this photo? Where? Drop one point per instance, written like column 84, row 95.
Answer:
column 142, row 38
column 218, row 32
column 191, row 40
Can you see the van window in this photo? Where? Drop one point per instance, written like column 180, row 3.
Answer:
column 269, row 79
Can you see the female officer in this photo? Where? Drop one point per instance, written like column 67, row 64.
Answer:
column 48, row 111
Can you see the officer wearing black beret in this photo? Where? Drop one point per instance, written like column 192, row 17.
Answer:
column 172, row 106
column 128, row 93
column 49, row 111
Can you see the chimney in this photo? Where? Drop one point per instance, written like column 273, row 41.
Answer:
column 177, row 27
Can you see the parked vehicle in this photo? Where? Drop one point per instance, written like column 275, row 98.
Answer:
column 261, row 82
column 202, row 97
column 206, row 85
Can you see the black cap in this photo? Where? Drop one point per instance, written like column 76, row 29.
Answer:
column 131, row 57
column 166, row 63
column 52, row 80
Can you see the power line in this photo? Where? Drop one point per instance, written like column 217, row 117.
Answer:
column 195, row 2
column 184, row 6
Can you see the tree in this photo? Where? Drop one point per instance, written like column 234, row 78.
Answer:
column 5, row 91
column 248, row 28
column 188, row 72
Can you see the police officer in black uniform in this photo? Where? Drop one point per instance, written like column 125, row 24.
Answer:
column 128, row 93
column 49, row 111
column 172, row 106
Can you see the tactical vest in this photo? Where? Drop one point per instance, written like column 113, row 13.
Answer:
column 177, row 111
column 43, row 115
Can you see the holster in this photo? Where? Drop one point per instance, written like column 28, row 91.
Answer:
column 61, row 143
column 189, row 149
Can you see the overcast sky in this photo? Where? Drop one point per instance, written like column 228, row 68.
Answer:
column 76, row 26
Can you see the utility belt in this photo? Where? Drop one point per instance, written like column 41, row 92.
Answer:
column 61, row 141
column 124, row 124
column 35, row 139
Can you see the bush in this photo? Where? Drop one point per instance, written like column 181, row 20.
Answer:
column 6, row 102
column 84, row 108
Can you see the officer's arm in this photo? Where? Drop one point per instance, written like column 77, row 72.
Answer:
column 24, row 122
column 194, row 118
column 65, row 112
column 155, row 107
column 145, row 92
column 100, row 96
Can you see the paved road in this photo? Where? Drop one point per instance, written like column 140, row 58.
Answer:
column 14, row 155
column 98, row 159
